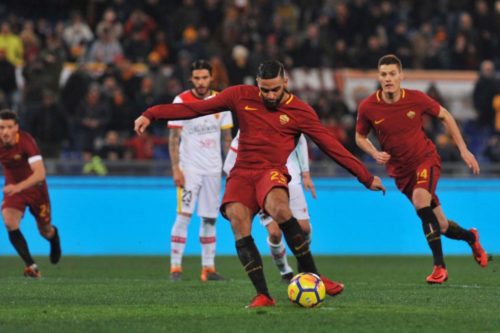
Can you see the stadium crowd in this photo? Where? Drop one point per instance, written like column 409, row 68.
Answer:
column 125, row 56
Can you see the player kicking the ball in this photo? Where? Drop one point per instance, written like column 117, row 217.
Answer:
column 271, row 120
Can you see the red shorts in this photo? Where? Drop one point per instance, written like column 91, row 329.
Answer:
column 425, row 176
column 36, row 199
column 250, row 186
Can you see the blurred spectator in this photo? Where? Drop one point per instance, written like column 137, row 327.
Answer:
column 110, row 23
column 49, row 125
column 485, row 89
column 212, row 14
column 92, row 119
column 143, row 147
column 31, row 42
column 112, row 148
column 219, row 74
column 162, row 48
column 105, row 49
column 375, row 50
column 8, row 83
column 77, row 35
column 122, row 113
column 75, row 90
column 312, row 50
column 187, row 14
column 140, row 24
column 12, row 44
column 238, row 68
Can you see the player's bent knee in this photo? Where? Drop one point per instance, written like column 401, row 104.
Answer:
column 280, row 212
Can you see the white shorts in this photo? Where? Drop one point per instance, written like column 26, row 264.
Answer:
column 298, row 205
column 202, row 188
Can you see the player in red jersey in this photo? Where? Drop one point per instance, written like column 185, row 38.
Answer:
column 395, row 115
column 25, row 186
column 271, row 120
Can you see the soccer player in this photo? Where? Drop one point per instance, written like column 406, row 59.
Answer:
column 25, row 186
column 196, row 169
column 395, row 115
column 298, row 168
column 271, row 120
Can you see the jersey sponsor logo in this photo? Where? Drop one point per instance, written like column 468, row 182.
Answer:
column 411, row 114
column 379, row 121
column 284, row 119
column 249, row 108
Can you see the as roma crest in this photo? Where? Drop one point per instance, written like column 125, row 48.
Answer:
column 411, row 114
column 284, row 119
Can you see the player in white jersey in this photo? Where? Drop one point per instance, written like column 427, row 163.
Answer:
column 196, row 169
column 298, row 168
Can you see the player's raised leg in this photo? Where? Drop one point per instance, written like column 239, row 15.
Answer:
column 241, row 224
column 453, row 230
column 12, row 218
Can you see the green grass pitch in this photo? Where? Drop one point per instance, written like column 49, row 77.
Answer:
column 134, row 294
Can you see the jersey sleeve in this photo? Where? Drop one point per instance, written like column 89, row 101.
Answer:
column 226, row 120
column 221, row 102
column 330, row 145
column 31, row 149
column 176, row 123
column 302, row 154
column 362, row 124
column 431, row 107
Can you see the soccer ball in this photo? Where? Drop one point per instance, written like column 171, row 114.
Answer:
column 306, row 290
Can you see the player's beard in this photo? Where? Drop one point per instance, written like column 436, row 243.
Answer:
column 202, row 91
column 273, row 105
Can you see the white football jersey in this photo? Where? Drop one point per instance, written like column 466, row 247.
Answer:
column 297, row 162
column 200, row 146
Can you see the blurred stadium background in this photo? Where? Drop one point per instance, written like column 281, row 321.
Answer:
column 79, row 72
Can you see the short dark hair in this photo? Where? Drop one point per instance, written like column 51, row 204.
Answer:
column 390, row 59
column 270, row 69
column 7, row 114
column 201, row 64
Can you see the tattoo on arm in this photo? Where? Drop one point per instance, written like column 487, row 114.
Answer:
column 173, row 146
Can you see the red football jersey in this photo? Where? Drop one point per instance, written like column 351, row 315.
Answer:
column 267, row 137
column 399, row 127
column 15, row 158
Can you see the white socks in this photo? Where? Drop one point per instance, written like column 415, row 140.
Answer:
column 278, row 254
column 207, row 241
column 178, row 239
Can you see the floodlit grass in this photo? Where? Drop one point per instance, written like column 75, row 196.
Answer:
column 134, row 294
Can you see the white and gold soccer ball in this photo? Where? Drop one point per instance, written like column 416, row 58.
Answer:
column 306, row 290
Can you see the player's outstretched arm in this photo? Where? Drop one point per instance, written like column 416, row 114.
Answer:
column 452, row 127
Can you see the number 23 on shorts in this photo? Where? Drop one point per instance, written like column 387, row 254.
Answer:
column 278, row 177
